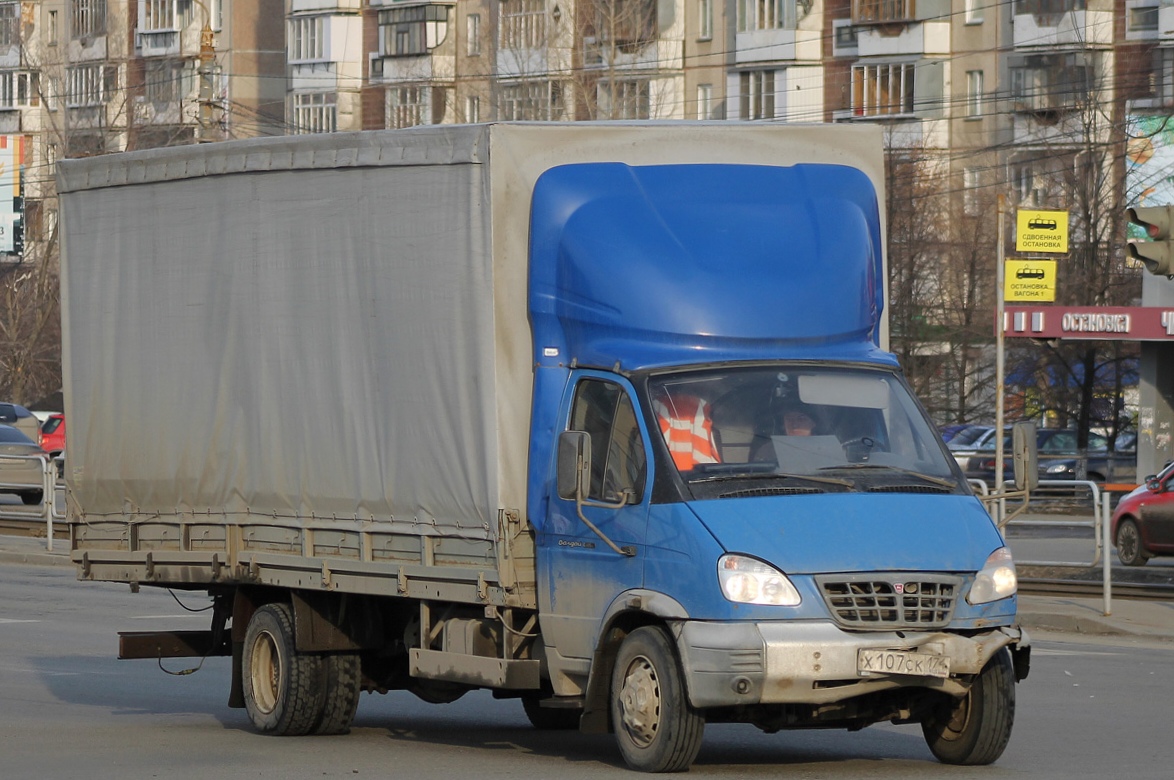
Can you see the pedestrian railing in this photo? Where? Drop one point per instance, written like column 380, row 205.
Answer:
column 51, row 507
column 1093, row 504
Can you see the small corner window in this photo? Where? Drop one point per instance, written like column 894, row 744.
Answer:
column 974, row 91
column 704, row 20
column 1143, row 19
column 974, row 9
column 473, row 34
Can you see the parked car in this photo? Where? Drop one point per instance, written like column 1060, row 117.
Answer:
column 1057, row 457
column 23, row 474
column 959, row 436
column 21, row 419
column 1143, row 522
column 53, row 434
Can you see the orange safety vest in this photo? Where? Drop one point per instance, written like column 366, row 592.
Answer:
column 684, row 421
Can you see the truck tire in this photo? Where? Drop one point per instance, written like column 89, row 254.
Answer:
column 549, row 718
column 340, row 676
column 976, row 728
column 656, row 728
column 1130, row 550
column 283, row 689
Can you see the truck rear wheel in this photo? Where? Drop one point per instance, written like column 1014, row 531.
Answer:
column 283, row 689
column 656, row 728
column 976, row 728
column 341, row 677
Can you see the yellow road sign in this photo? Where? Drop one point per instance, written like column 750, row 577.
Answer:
column 1029, row 280
column 1041, row 231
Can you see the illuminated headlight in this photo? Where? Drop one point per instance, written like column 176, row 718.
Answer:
column 997, row 579
column 749, row 581
column 1058, row 468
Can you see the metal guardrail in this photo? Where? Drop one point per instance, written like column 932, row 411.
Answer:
column 51, row 508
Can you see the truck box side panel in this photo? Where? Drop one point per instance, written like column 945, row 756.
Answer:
column 303, row 343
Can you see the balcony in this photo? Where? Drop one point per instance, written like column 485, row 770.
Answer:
column 424, row 68
column 922, row 38
column 883, row 11
column 1036, row 26
column 779, row 45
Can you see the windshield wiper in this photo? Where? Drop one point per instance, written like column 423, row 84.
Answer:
column 774, row 475
column 907, row 472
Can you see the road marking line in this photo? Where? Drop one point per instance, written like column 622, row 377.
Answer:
column 14, row 620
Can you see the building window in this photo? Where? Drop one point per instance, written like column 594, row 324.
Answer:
column 91, row 85
column 532, row 100
column 315, row 112
column 883, row 11
column 705, row 19
column 704, row 101
column 974, row 10
column 52, row 29
column 472, row 109
column 882, row 90
column 307, row 39
column 158, row 15
column 523, row 24
column 87, row 18
column 473, row 34
column 410, row 32
column 971, row 182
column 1143, row 19
column 628, row 99
column 974, row 90
column 1022, row 180
column 1048, row 7
column 18, row 89
column 9, row 24
column 1052, row 83
column 766, row 15
column 847, row 37
column 163, row 79
column 408, row 106
column 758, row 94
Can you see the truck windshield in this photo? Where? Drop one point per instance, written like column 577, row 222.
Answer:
column 828, row 428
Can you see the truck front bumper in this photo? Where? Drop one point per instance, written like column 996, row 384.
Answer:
column 815, row 662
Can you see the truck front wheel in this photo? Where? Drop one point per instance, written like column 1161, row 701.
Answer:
column 656, row 728
column 976, row 728
column 282, row 688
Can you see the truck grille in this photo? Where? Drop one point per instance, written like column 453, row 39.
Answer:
column 890, row 601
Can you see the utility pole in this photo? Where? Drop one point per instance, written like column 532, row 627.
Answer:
column 206, row 74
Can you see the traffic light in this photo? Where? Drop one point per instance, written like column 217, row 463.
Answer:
column 1158, row 252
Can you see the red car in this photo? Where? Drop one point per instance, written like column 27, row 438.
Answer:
column 1143, row 522
column 53, row 434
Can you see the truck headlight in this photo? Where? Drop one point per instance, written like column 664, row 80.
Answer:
column 749, row 581
column 997, row 579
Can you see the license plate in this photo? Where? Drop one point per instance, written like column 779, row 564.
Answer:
column 870, row 662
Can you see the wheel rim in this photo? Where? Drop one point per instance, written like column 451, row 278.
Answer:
column 265, row 672
column 640, row 701
column 1127, row 542
column 955, row 722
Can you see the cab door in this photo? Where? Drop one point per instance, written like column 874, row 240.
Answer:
column 582, row 572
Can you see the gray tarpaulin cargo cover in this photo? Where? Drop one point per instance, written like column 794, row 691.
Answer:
column 328, row 329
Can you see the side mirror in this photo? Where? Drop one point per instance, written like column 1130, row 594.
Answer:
column 1152, row 484
column 1024, row 456
column 574, row 464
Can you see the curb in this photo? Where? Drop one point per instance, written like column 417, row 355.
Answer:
column 35, row 558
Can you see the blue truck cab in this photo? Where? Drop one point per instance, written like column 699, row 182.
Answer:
column 741, row 512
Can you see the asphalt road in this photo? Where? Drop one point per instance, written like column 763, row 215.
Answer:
column 69, row 709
